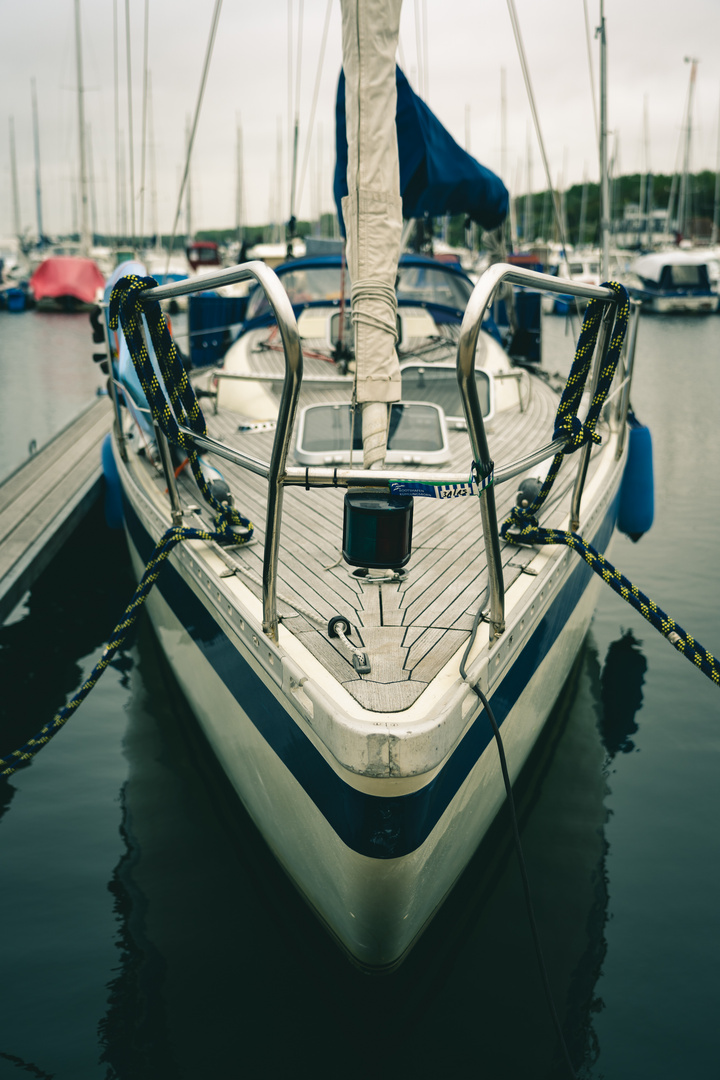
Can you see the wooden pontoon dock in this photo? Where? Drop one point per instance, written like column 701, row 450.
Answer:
column 45, row 498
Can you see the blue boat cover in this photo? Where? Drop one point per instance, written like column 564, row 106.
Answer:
column 437, row 176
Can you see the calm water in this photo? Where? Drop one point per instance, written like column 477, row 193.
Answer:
column 145, row 932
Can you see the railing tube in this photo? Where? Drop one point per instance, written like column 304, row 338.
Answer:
column 479, row 302
column 287, row 326
column 467, row 346
column 624, row 402
column 169, row 473
column 290, row 336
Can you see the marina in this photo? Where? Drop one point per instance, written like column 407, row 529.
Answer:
column 384, row 740
column 619, row 836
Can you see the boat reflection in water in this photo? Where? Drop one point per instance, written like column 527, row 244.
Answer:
column 224, row 969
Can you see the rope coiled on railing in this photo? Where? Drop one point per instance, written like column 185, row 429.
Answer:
column 176, row 403
column 523, row 527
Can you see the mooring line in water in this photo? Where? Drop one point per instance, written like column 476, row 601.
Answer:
column 518, row 846
column 678, row 637
column 11, row 762
column 522, row 525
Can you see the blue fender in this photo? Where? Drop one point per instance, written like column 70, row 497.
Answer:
column 113, row 493
column 637, row 492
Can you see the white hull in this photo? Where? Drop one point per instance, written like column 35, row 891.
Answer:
column 683, row 304
column 375, row 906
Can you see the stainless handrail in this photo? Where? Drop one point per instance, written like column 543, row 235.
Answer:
column 478, row 304
column 287, row 325
column 276, row 471
column 624, row 402
column 332, row 476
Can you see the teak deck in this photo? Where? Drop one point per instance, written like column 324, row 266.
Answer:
column 409, row 627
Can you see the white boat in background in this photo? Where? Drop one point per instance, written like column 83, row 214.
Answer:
column 677, row 281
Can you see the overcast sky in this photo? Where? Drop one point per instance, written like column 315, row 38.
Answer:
column 457, row 58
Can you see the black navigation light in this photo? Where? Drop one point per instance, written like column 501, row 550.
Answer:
column 377, row 529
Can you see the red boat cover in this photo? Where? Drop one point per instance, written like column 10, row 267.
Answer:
column 67, row 275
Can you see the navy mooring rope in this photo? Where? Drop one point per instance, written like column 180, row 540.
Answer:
column 176, row 403
column 522, row 525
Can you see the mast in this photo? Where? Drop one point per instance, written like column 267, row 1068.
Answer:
column 91, row 185
column 716, row 207
column 684, row 197
column 188, row 189
column 528, row 225
column 642, row 225
column 36, row 142
column 604, row 175
column 131, row 155
column 583, row 208
column 239, row 187
column 511, row 222
column 143, row 144
column 118, row 174
column 295, row 138
column 85, row 238
column 154, row 225
column 13, row 171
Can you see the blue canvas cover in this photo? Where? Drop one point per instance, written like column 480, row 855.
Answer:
column 437, row 176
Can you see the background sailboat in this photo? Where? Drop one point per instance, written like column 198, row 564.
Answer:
column 70, row 281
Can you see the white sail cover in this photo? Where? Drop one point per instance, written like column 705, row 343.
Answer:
column 372, row 210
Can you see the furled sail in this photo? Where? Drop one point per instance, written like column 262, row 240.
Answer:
column 394, row 159
column 372, row 209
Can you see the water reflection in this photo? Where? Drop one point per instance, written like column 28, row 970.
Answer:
column 68, row 614
column 223, row 969
column 621, row 693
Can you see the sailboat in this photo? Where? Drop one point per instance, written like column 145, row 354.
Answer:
column 72, row 281
column 344, row 603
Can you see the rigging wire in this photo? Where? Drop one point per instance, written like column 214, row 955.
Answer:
column 118, row 217
column 296, row 126
column 201, row 92
column 592, row 74
column 316, row 91
column 536, row 122
column 418, row 50
column 536, row 119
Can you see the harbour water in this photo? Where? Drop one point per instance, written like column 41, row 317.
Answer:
column 145, row 930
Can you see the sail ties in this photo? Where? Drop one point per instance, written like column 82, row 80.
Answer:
column 375, row 304
column 374, row 307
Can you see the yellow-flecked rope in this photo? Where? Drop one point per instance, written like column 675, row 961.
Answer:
column 174, row 402
column 14, row 760
column 522, row 525
column 171, row 405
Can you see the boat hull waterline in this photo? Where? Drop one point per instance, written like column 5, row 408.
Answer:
column 374, row 849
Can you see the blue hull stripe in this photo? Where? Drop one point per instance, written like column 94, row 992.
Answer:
column 376, row 826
